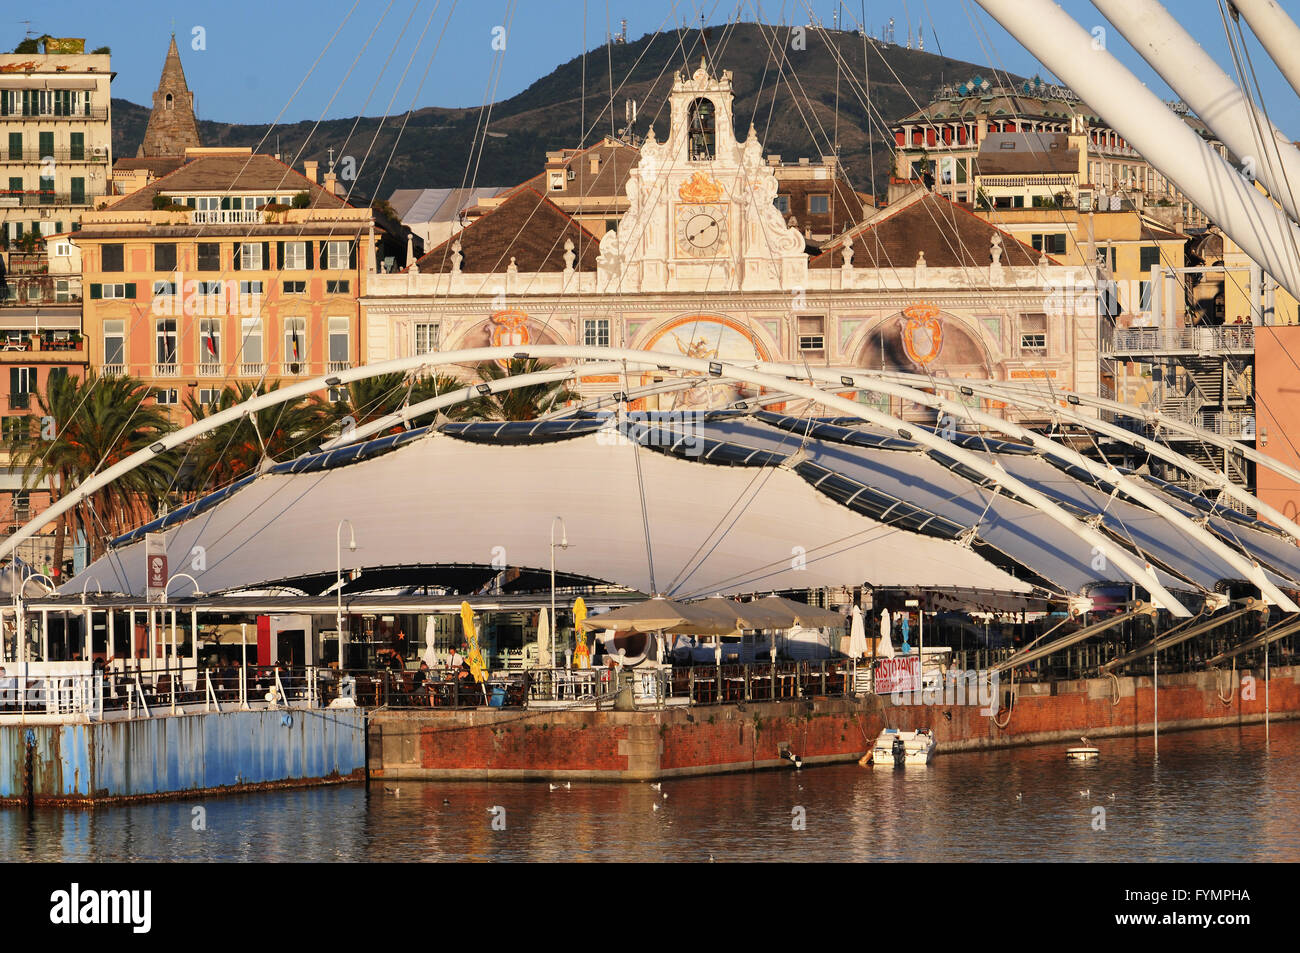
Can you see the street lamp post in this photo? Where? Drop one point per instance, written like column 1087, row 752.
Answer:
column 563, row 544
column 338, row 582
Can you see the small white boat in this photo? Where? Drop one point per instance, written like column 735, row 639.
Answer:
column 1082, row 754
column 898, row 749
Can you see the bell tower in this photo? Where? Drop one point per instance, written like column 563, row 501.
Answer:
column 700, row 210
column 172, row 127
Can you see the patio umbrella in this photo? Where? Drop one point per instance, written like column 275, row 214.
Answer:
column 800, row 612
column 429, row 656
column 581, row 654
column 857, row 635
column 886, row 649
column 474, row 656
column 660, row 614
column 544, row 639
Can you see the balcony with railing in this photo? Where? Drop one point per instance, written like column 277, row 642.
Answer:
column 37, row 198
column 166, row 370
column 95, row 154
column 226, row 216
column 252, row 368
column 80, row 115
column 1228, row 338
column 211, row 369
column 20, row 400
column 335, row 366
column 113, row 370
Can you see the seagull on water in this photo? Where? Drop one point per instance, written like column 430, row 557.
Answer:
column 394, row 791
column 555, row 787
column 1019, row 796
column 656, row 786
column 654, row 807
column 568, row 785
column 1086, row 792
column 1110, row 797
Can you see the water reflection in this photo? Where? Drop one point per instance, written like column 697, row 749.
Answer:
column 1213, row 795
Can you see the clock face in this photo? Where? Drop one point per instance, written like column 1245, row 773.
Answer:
column 701, row 231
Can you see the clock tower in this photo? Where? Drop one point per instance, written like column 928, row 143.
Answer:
column 700, row 215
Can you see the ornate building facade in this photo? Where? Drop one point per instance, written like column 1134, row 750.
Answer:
column 704, row 262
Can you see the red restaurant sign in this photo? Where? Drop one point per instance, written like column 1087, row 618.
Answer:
column 902, row 674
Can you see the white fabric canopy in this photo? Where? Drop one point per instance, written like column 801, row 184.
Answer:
column 443, row 501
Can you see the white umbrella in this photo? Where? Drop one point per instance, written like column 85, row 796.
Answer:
column 857, row 635
column 886, row 649
column 429, row 656
column 544, row 639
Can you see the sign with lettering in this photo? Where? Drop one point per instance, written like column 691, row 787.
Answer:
column 901, row 674
column 155, row 561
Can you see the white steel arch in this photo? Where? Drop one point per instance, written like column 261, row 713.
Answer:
column 1142, row 575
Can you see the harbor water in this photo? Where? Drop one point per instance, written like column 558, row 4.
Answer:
column 1213, row 795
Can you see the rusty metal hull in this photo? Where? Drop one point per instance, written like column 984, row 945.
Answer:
column 179, row 755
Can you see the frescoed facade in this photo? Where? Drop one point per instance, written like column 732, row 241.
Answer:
column 704, row 262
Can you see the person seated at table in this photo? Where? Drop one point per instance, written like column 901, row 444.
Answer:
column 421, row 675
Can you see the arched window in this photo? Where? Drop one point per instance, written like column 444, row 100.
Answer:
column 703, row 139
column 168, row 101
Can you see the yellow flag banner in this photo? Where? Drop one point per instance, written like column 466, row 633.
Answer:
column 474, row 656
column 581, row 654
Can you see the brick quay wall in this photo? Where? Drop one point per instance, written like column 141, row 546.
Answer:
column 511, row 744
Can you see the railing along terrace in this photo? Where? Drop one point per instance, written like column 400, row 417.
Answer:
column 144, row 688
column 700, row 684
column 1228, row 337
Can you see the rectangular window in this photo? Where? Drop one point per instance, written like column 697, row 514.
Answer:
column 114, row 342
column 208, row 396
column 1144, row 293
column 1033, row 334
column 118, row 290
column 426, row 338
column 1150, row 257
column 112, row 258
column 819, row 204
column 295, row 287
column 295, row 344
column 167, row 396
column 339, row 350
column 76, row 190
column 595, row 332
column 247, row 288
column 164, row 288
column 17, row 428
column 209, row 257
column 77, row 146
column 338, row 287
column 16, row 146
column 295, row 256
column 250, row 256
column 782, row 203
column 15, row 183
column 209, row 342
column 62, row 249
column 165, row 331
column 250, row 335
column 812, row 333
column 336, row 256
column 22, row 380
column 164, row 256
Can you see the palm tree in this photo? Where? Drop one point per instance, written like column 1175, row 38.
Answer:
column 238, row 448
column 88, row 426
column 522, row 403
column 374, row 397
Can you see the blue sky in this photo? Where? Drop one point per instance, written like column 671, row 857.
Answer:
column 255, row 54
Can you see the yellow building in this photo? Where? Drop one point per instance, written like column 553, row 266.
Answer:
column 234, row 267
column 55, row 142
